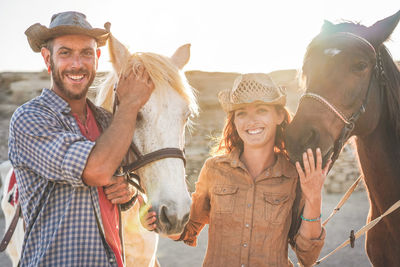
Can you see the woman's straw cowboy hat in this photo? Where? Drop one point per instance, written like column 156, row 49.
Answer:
column 64, row 23
column 249, row 88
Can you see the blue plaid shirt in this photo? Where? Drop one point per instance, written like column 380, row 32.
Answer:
column 61, row 213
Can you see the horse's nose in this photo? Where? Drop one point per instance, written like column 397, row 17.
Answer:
column 309, row 138
column 170, row 220
column 298, row 139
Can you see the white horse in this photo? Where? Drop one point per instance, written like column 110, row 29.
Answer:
column 14, row 248
column 161, row 124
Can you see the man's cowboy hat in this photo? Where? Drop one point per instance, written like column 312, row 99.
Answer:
column 249, row 88
column 64, row 23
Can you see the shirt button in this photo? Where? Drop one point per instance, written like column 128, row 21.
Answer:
column 247, row 225
column 111, row 260
column 245, row 245
column 249, row 205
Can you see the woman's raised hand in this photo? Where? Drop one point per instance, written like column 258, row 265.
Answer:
column 313, row 177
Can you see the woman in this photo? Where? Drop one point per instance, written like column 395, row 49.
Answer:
column 251, row 196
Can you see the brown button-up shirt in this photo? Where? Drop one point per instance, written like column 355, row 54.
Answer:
column 251, row 221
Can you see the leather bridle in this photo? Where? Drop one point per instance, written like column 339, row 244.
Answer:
column 129, row 170
column 349, row 123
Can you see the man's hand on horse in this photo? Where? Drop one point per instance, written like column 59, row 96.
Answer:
column 119, row 191
column 147, row 219
column 135, row 87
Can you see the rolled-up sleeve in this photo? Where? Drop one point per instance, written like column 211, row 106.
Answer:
column 40, row 141
column 308, row 250
column 200, row 209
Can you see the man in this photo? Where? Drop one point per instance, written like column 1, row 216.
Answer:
column 64, row 167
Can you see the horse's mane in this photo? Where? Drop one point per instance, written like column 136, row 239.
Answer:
column 391, row 91
column 162, row 72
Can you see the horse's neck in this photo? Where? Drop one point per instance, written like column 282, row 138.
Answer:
column 379, row 156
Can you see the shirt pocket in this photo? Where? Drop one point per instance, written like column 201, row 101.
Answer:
column 277, row 207
column 224, row 198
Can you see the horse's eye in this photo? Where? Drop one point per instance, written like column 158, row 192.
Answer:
column 360, row 66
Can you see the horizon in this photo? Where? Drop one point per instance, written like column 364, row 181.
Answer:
column 225, row 36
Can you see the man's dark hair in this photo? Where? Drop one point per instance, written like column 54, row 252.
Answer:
column 49, row 45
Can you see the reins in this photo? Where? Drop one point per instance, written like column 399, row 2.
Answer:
column 129, row 170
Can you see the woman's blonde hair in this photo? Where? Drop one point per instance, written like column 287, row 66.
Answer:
column 230, row 138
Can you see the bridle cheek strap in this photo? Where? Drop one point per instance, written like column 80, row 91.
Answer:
column 142, row 160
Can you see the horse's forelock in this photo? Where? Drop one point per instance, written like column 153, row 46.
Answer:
column 162, row 72
column 165, row 74
column 328, row 30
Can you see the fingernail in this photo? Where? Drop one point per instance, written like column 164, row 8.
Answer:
column 319, row 150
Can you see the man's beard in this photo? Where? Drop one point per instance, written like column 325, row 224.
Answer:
column 63, row 88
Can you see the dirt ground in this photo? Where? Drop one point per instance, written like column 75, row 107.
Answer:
column 351, row 216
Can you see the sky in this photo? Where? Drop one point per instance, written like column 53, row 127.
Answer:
column 226, row 35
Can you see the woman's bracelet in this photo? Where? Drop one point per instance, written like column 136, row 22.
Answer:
column 311, row 220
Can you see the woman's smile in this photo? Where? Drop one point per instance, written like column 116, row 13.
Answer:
column 255, row 131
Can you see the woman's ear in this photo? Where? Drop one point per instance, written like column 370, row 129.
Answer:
column 281, row 115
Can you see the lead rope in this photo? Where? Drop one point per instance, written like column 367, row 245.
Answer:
column 343, row 199
column 361, row 232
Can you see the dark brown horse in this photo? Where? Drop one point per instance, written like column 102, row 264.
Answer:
column 353, row 89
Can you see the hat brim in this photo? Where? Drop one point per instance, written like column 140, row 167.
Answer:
column 38, row 34
column 227, row 106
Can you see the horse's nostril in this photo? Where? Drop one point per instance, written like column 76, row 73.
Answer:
column 163, row 215
column 167, row 218
column 310, row 139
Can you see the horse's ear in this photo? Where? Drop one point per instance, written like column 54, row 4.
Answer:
column 119, row 54
column 381, row 30
column 181, row 56
column 327, row 27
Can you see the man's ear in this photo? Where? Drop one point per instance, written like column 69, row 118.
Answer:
column 46, row 56
column 98, row 54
